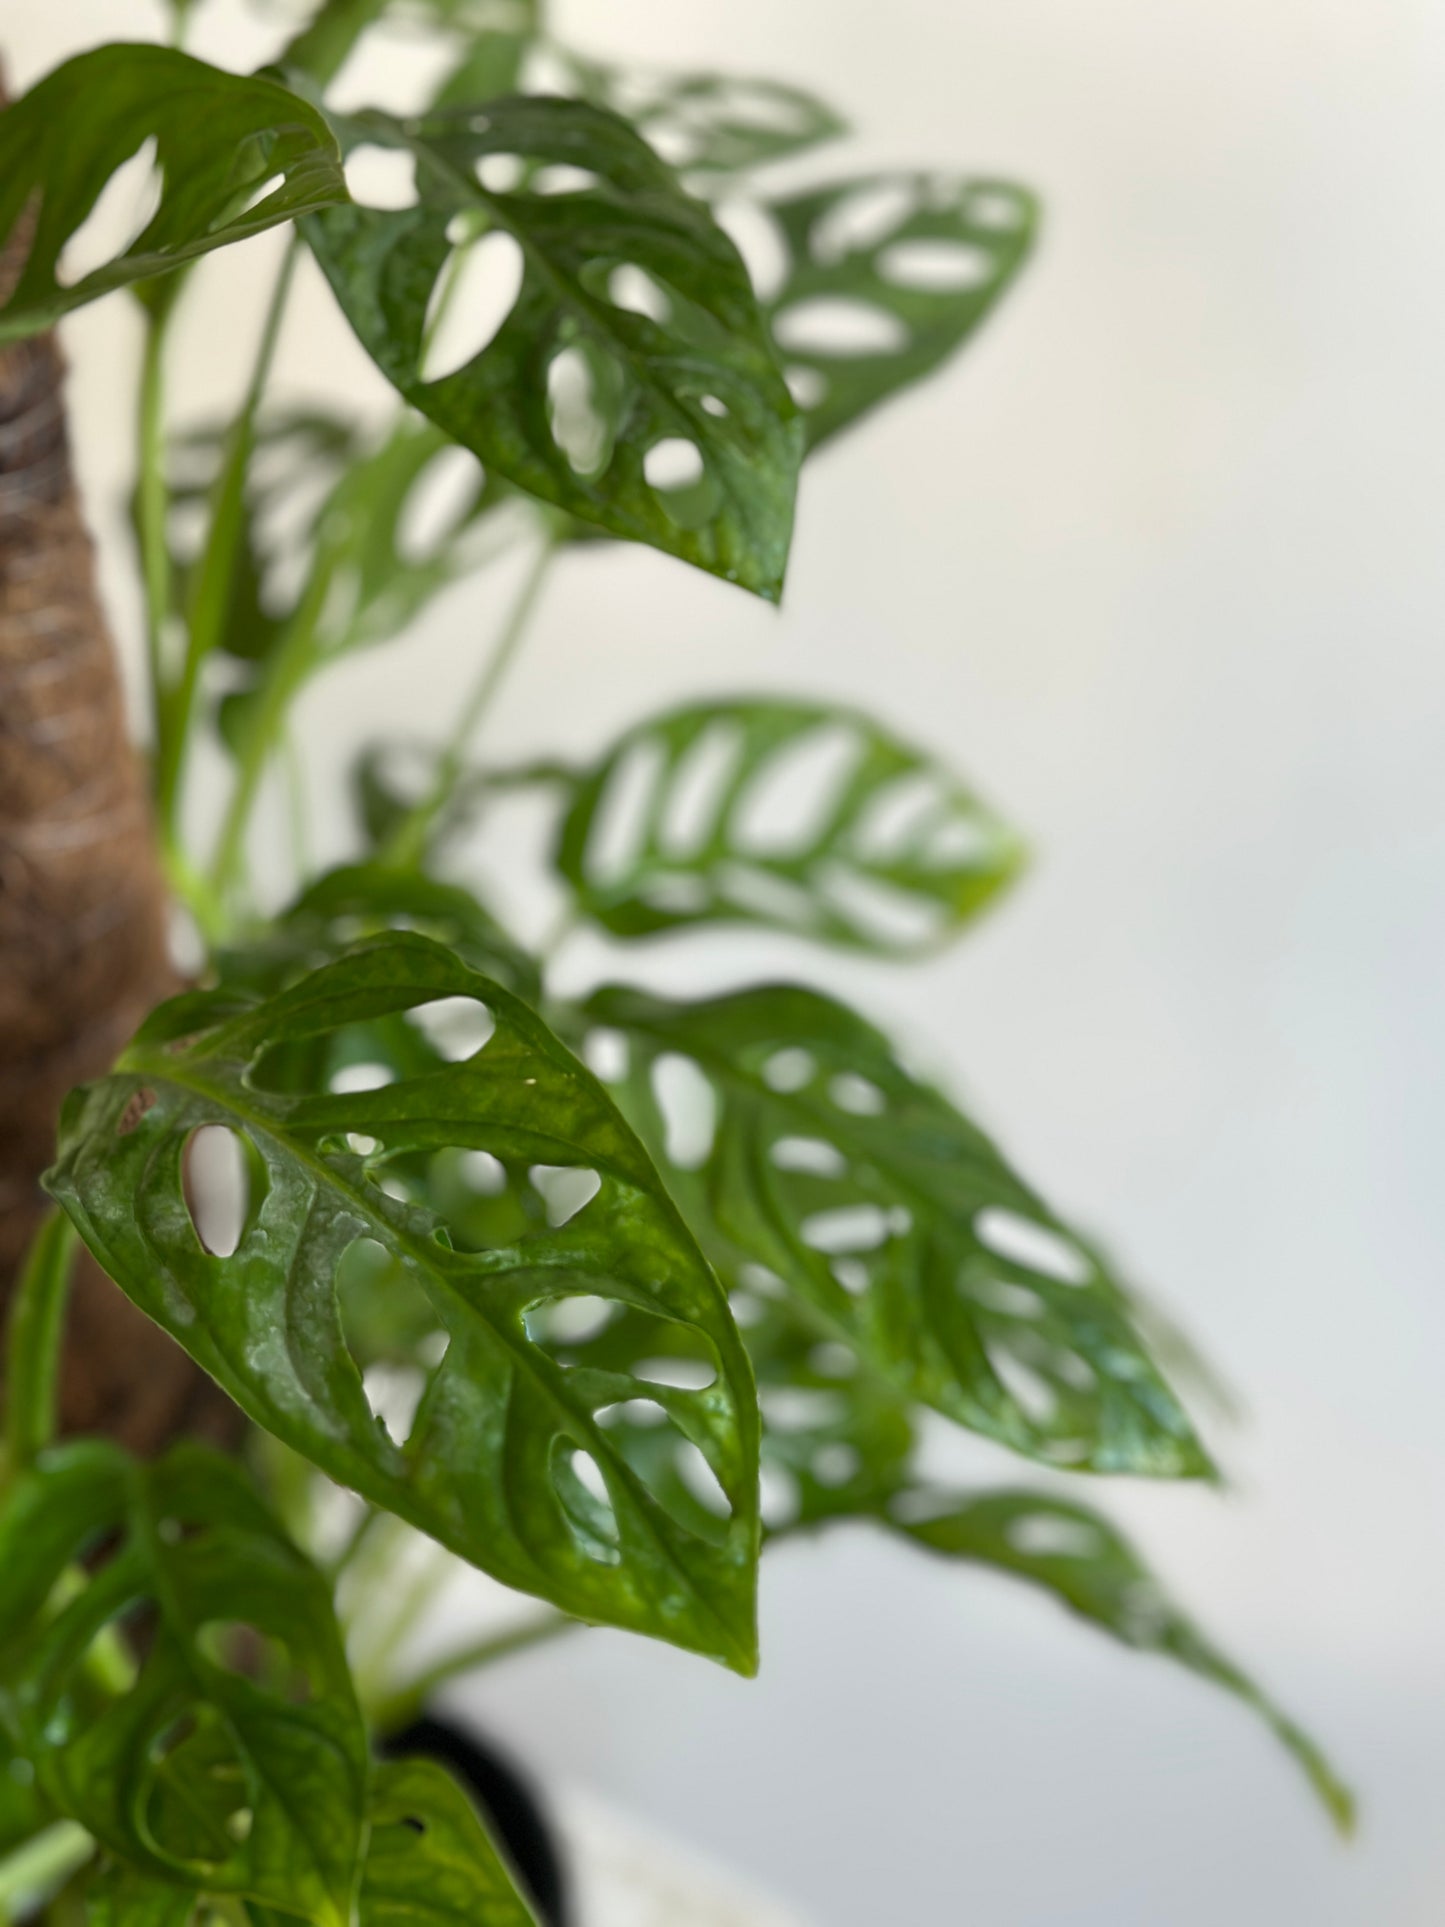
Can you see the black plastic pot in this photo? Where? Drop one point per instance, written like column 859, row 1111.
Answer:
column 516, row 1817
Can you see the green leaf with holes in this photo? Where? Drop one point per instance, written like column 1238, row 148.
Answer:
column 800, row 816
column 233, row 156
column 359, row 900
column 1073, row 1553
column 232, row 1755
column 632, row 383
column 709, row 126
column 797, row 1143
column 887, row 276
column 431, row 1862
column 400, row 1056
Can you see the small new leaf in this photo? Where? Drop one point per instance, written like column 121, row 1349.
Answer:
column 798, row 816
column 798, row 1145
column 658, row 416
column 348, row 1095
column 232, row 1756
column 230, row 157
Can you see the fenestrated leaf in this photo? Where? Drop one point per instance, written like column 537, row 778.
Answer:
column 188, row 1771
column 360, row 900
column 887, row 276
column 507, row 1459
column 583, row 393
column 233, row 156
column 800, row 816
column 431, row 1862
column 796, row 1142
column 707, row 123
column 1072, row 1552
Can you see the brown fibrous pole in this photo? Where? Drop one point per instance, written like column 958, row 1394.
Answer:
column 83, row 908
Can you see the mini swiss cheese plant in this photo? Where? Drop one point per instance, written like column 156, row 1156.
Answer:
column 601, row 1294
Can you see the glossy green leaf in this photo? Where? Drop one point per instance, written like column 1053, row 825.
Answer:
column 197, row 1768
column 799, row 816
column 706, row 123
column 661, row 416
column 505, row 1458
column 795, row 1139
column 431, row 1862
column 232, row 156
column 888, row 275
column 1070, row 1551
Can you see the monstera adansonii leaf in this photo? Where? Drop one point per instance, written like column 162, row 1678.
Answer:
column 632, row 382
column 1068, row 1550
column 809, row 1159
column 229, row 156
column 886, row 276
column 801, row 816
column 232, row 1755
column 503, row 1454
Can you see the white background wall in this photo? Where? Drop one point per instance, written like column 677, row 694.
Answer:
column 1159, row 564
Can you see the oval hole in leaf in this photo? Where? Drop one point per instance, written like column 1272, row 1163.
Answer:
column 562, row 178
column 1031, row 1245
column 605, row 1054
column 436, row 502
column 1050, row 1535
column 759, row 240
column 644, row 1412
column 836, row 324
column 586, row 1502
column 832, row 1359
column 998, row 1294
column 578, row 426
column 386, row 1315
column 479, row 293
column 807, row 386
column 688, row 1105
column 381, row 177
column 942, row 267
column 1028, row 1389
column 789, row 1069
column 801, row 1408
column 573, row 1320
column 501, row 173
column 619, row 826
column 253, row 1654
column 856, row 1095
column 811, row 1154
column 790, row 801
column 634, row 290
column 861, row 221
column 673, row 464
column 455, row 1027
column 850, row 1227
column 119, row 215
column 895, row 815
column 565, row 1189
column 836, row 1464
column 349, row 1079
column 881, row 912
column 218, row 1167
column 701, row 1481
column 683, row 1374
column 996, row 208
column 700, row 782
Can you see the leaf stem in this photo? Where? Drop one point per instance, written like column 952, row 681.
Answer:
column 407, row 841
column 37, row 1330
column 151, row 504
column 214, row 576
column 408, row 1700
column 44, row 1863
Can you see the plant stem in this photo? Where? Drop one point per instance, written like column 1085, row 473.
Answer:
column 321, row 48
column 407, row 841
column 151, row 510
column 284, row 673
column 214, row 576
column 37, row 1329
column 41, row 1865
column 403, row 1705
